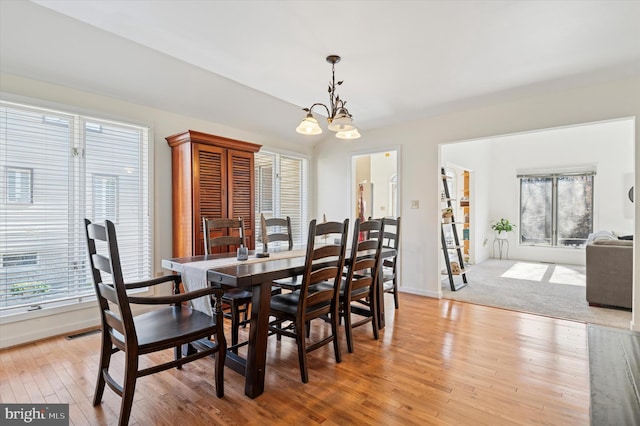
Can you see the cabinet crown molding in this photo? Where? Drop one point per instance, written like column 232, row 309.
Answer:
column 192, row 136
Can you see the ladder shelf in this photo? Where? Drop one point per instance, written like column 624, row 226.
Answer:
column 448, row 246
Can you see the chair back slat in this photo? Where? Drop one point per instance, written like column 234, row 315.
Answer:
column 223, row 234
column 114, row 321
column 108, row 292
column 224, row 240
column 323, row 252
column 102, row 263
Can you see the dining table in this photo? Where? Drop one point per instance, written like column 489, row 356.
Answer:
column 257, row 273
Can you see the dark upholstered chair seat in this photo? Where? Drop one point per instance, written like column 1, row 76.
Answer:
column 288, row 302
column 236, row 294
column 160, row 328
column 343, row 284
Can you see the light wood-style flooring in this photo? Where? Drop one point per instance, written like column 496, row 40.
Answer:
column 437, row 362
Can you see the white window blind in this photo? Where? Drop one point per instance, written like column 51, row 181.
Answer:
column 282, row 190
column 79, row 167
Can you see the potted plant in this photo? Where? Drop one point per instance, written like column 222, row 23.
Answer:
column 503, row 225
column 447, row 214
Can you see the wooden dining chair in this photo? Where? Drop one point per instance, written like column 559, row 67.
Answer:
column 358, row 290
column 294, row 311
column 157, row 330
column 222, row 235
column 274, row 231
column 391, row 239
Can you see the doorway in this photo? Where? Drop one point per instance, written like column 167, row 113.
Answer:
column 374, row 185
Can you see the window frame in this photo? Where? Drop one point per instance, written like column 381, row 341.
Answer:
column 87, row 122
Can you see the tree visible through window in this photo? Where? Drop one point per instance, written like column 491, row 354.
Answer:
column 556, row 209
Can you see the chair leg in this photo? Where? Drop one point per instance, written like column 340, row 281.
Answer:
column 374, row 316
column 336, row 338
column 129, row 387
column 245, row 315
column 221, row 356
column 347, row 326
column 235, row 325
column 395, row 292
column 103, row 368
column 302, row 351
column 178, row 354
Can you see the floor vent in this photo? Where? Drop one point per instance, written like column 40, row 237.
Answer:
column 83, row 334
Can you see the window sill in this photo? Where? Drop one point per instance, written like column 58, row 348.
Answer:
column 48, row 311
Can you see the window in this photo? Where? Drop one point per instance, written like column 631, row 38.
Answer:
column 556, row 209
column 60, row 168
column 19, row 187
column 281, row 190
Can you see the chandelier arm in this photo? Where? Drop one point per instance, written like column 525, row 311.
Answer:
column 322, row 105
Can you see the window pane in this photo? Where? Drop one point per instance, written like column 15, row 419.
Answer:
column 535, row 211
column 575, row 209
column 115, row 162
column 281, row 190
column 34, row 236
column 292, row 195
column 19, row 185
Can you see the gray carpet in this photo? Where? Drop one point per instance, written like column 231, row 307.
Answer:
column 614, row 376
column 546, row 289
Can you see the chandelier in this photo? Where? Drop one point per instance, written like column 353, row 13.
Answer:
column 338, row 117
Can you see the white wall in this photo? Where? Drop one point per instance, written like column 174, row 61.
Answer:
column 419, row 164
column 31, row 326
column 608, row 146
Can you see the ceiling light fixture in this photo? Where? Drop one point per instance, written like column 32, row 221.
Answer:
column 338, row 117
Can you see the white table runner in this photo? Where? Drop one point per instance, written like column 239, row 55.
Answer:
column 194, row 274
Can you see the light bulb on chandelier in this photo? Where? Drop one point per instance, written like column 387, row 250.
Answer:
column 338, row 117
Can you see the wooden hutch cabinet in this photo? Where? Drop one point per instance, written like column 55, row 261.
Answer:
column 212, row 177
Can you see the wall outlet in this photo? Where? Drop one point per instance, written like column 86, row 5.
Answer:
column 415, row 204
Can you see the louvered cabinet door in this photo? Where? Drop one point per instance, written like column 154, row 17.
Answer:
column 241, row 190
column 209, row 189
column 212, row 176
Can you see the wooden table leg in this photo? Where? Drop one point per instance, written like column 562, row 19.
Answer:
column 258, row 333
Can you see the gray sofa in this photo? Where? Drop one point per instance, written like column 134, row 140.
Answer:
column 609, row 273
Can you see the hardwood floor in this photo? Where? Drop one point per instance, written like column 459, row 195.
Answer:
column 437, row 362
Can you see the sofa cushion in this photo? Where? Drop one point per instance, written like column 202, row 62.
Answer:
column 621, row 243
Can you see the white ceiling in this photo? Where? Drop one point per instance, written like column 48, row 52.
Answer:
column 401, row 60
